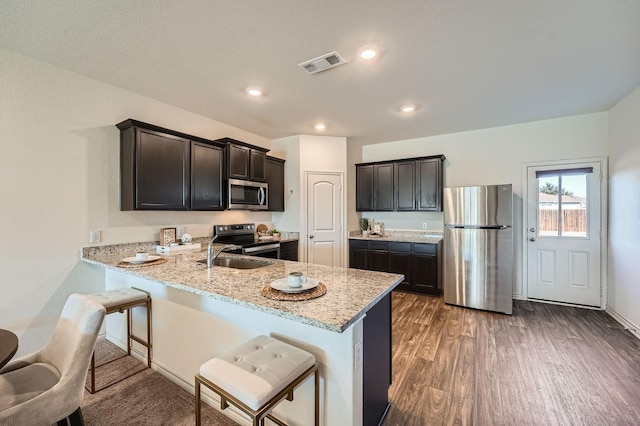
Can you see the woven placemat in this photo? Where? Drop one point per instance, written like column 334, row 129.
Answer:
column 141, row 265
column 271, row 293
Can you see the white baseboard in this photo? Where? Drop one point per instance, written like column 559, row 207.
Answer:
column 628, row 325
column 210, row 398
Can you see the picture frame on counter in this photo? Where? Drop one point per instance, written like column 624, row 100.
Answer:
column 167, row 236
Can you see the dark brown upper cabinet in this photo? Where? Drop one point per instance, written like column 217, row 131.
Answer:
column 400, row 185
column 244, row 161
column 405, row 177
column 206, row 177
column 161, row 169
column 429, row 184
column 275, row 180
column 364, row 188
column 383, row 188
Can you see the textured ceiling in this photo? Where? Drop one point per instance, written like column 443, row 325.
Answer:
column 467, row 64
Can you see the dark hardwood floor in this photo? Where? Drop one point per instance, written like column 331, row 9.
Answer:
column 544, row 365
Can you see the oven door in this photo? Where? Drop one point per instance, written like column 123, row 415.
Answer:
column 271, row 251
column 248, row 195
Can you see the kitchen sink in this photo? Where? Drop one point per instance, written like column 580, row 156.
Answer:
column 239, row 263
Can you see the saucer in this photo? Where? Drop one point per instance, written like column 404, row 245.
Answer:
column 283, row 285
column 135, row 261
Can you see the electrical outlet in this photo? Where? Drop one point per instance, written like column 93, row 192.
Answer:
column 358, row 356
column 94, row 236
column 425, row 225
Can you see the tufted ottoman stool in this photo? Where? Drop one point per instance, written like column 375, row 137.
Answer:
column 120, row 300
column 256, row 376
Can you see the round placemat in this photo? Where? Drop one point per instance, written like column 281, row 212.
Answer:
column 271, row 293
column 141, row 265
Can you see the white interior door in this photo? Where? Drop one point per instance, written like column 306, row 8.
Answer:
column 564, row 233
column 324, row 219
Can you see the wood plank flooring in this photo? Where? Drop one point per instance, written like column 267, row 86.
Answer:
column 544, row 365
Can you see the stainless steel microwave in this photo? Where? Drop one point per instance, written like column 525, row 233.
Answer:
column 247, row 195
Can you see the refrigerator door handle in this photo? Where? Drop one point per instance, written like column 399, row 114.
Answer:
column 477, row 227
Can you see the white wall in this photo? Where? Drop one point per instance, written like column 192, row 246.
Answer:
column 624, row 209
column 59, row 178
column 494, row 156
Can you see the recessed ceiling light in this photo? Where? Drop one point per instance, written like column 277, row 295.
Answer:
column 254, row 91
column 368, row 54
column 320, row 127
column 408, row 108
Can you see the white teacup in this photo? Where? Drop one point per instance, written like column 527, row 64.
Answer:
column 142, row 255
column 296, row 279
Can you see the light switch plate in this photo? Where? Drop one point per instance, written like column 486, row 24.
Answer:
column 94, row 236
column 358, row 356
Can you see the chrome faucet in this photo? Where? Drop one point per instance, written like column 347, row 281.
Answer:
column 213, row 254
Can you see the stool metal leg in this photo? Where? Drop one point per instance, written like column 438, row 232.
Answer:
column 93, row 372
column 198, row 399
column 149, row 333
column 129, row 331
column 317, row 397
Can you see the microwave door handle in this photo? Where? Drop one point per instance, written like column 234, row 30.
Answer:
column 261, row 196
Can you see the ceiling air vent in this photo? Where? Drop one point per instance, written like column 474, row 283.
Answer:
column 322, row 63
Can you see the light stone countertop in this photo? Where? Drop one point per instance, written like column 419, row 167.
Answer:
column 350, row 292
column 431, row 237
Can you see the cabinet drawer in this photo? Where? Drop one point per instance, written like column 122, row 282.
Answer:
column 379, row 245
column 360, row 244
column 425, row 248
column 401, row 247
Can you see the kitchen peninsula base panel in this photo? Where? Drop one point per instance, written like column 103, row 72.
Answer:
column 190, row 328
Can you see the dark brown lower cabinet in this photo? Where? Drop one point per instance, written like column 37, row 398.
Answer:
column 289, row 250
column 420, row 263
column 400, row 263
column 358, row 254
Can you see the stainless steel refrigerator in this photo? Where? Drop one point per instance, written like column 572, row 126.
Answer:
column 478, row 247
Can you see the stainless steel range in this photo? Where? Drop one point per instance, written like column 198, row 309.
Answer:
column 243, row 235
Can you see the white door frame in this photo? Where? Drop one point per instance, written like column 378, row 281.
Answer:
column 604, row 223
column 343, row 230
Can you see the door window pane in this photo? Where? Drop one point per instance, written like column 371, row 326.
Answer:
column 562, row 206
column 548, row 206
column 574, row 205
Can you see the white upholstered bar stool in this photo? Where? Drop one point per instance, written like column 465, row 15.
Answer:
column 256, row 376
column 120, row 300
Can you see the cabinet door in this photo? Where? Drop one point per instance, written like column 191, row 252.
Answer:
column 289, row 250
column 400, row 263
column 383, row 187
column 378, row 260
column 429, row 181
column 257, row 165
column 275, row 180
column 425, row 269
column 405, row 180
column 358, row 254
column 206, row 177
column 162, row 171
column 358, row 258
column 364, row 188
column 239, row 161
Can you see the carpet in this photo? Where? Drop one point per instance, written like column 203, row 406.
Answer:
column 146, row 398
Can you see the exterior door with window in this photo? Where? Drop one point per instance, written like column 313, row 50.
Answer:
column 564, row 233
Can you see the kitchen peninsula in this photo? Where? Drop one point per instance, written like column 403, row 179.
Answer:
column 200, row 312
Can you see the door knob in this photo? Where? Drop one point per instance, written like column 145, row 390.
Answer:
column 532, row 229
column 311, row 236
column 532, row 239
